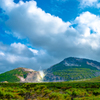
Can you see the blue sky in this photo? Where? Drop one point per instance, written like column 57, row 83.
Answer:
column 59, row 8
column 41, row 33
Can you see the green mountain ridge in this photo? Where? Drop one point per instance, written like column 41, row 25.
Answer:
column 11, row 76
column 67, row 70
column 74, row 69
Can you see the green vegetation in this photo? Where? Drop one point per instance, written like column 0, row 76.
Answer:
column 50, row 91
column 11, row 76
column 96, row 79
column 76, row 73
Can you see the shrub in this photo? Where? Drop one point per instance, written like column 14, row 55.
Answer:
column 56, row 96
column 38, row 91
column 40, row 87
column 47, row 91
column 2, row 94
column 9, row 95
column 96, row 92
column 67, row 96
column 68, row 92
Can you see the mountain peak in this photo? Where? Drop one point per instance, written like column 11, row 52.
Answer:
column 72, row 58
column 73, row 68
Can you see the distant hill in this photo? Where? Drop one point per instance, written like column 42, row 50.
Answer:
column 73, row 68
column 20, row 75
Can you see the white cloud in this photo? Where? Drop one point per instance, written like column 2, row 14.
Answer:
column 88, row 22
column 30, row 15
column 18, row 46
column 34, row 51
column 42, row 29
column 6, row 3
column 1, row 53
column 20, row 49
column 89, row 3
column 11, row 59
column 53, row 38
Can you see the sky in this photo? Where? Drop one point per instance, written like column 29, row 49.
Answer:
column 40, row 33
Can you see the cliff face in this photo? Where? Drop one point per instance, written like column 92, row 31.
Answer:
column 32, row 76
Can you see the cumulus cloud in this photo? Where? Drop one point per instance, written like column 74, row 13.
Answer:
column 19, row 55
column 88, row 26
column 53, row 38
column 21, row 49
column 89, row 20
column 15, row 50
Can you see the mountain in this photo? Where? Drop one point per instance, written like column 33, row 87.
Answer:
column 21, row 75
column 73, row 68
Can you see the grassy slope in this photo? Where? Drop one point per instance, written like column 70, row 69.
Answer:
column 11, row 76
column 76, row 73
